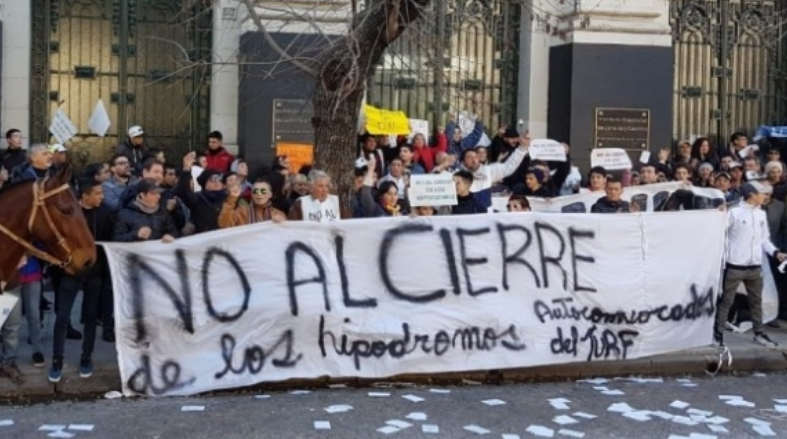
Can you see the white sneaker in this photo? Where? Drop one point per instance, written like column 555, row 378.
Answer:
column 763, row 339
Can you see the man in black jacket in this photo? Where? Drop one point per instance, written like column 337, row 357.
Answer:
column 13, row 156
column 144, row 219
column 133, row 147
column 467, row 203
column 613, row 203
column 95, row 285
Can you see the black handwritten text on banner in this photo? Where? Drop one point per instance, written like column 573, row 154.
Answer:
column 380, row 297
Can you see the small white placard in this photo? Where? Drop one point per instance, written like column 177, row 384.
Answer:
column 62, row 127
column 432, row 190
column 547, row 150
column 99, row 122
column 644, row 158
column 611, row 159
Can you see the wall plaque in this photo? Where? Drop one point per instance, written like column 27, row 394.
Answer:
column 627, row 128
column 292, row 121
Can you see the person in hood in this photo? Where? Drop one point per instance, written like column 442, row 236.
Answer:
column 534, row 184
column 613, row 202
column 133, row 147
column 206, row 204
column 217, row 158
column 467, row 201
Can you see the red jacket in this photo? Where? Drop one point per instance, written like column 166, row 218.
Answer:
column 426, row 154
column 219, row 160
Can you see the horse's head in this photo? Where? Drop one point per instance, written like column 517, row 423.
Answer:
column 57, row 222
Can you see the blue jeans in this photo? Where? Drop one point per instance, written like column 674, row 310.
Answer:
column 31, row 300
column 9, row 333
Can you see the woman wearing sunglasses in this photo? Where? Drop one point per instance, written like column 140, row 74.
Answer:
column 260, row 210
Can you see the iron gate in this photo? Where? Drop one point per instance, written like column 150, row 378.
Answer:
column 148, row 60
column 462, row 52
column 729, row 66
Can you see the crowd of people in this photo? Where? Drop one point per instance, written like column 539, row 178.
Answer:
column 140, row 195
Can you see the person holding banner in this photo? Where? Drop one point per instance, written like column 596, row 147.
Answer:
column 319, row 206
column 613, row 202
column 234, row 214
column 747, row 237
column 467, row 201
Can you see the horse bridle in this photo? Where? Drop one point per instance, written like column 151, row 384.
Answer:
column 39, row 202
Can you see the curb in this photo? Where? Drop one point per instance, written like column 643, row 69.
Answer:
column 693, row 362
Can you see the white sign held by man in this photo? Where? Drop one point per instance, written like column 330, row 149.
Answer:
column 62, row 127
column 432, row 190
column 547, row 150
column 611, row 159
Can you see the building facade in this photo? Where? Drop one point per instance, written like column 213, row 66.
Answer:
column 571, row 70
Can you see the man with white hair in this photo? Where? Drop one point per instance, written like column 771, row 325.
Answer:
column 38, row 166
column 319, row 206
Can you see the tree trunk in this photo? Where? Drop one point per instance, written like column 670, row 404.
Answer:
column 336, row 135
column 344, row 69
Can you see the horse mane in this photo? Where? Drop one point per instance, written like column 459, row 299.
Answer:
column 12, row 186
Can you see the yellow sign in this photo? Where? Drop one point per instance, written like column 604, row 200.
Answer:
column 300, row 154
column 385, row 122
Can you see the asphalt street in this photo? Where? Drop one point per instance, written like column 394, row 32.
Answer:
column 753, row 406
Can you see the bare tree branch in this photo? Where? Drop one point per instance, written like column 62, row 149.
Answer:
column 274, row 45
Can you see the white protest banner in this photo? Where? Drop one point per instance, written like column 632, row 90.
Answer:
column 432, row 190
column 649, row 198
column 386, row 296
column 465, row 122
column 419, row 126
column 99, row 122
column 612, row 159
column 7, row 304
column 62, row 127
column 547, row 150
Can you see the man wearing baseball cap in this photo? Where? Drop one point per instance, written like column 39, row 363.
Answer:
column 133, row 147
column 747, row 237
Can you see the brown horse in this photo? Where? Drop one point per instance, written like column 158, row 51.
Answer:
column 46, row 212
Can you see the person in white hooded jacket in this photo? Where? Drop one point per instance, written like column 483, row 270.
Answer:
column 747, row 237
column 485, row 176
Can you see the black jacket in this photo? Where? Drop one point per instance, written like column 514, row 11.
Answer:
column 101, row 222
column 131, row 219
column 603, row 205
column 204, row 211
column 468, row 205
column 178, row 215
column 135, row 154
column 12, row 158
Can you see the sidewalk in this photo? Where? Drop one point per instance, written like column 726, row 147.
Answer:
column 747, row 356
